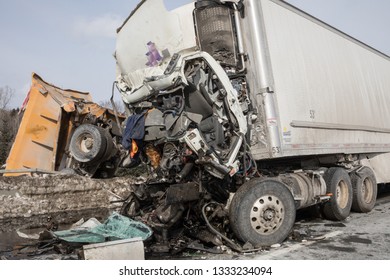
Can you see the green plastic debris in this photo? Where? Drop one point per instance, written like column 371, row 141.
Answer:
column 116, row 227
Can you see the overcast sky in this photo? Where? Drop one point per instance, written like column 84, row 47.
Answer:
column 70, row 43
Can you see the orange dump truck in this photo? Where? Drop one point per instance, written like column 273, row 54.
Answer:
column 64, row 131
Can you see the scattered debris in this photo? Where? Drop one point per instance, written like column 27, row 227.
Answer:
column 196, row 245
column 27, row 236
column 91, row 223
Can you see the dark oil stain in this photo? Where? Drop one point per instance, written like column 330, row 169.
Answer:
column 356, row 239
column 335, row 225
column 342, row 249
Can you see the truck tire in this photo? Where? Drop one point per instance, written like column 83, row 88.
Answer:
column 339, row 185
column 365, row 190
column 88, row 143
column 262, row 212
column 110, row 148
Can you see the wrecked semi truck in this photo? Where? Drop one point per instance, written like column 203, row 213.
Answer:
column 241, row 112
column 244, row 112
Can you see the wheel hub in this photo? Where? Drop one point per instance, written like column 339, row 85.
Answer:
column 342, row 194
column 367, row 190
column 267, row 214
column 86, row 144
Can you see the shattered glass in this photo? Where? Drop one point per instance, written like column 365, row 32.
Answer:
column 116, row 227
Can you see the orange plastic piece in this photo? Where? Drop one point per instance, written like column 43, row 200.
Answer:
column 134, row 148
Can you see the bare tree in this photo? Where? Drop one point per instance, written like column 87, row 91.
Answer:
column 6, row 94
column 9, row 122
column 118, row 105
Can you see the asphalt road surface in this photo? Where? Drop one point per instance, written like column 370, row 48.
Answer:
column 360, row 237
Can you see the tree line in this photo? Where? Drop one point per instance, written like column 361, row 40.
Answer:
column 9, row 123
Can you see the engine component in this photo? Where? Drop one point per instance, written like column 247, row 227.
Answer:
column 182, row 193
column 215, row 31
column 169, row 214
column 185, row 171
column 169, row 158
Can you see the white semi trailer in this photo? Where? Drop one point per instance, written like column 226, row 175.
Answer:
column 245, row 111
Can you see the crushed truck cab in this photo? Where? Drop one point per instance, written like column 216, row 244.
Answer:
column 246, row 117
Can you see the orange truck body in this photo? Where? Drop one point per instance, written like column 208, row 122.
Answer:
column 50, row 116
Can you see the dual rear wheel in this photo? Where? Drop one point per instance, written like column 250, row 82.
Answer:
column 263, row 212
column 356, row 191
column 91, row 144
column 365, row 190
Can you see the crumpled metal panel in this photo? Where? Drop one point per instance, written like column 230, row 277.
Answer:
column 47, row 125
column 169, row 31
column 37, row 139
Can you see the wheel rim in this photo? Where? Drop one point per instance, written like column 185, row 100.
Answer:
column 342, row 194
column 267, row 214
column 86, row 143
column 367, row 190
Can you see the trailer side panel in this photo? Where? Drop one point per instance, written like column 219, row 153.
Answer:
column 332, row 91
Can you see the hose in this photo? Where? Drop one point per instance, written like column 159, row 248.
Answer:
column 232, row 245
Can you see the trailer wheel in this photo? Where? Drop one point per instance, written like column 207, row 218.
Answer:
column 88, row 143
column 365, row 190
column 262, row 212
column 110, row 148
column 339, row 185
